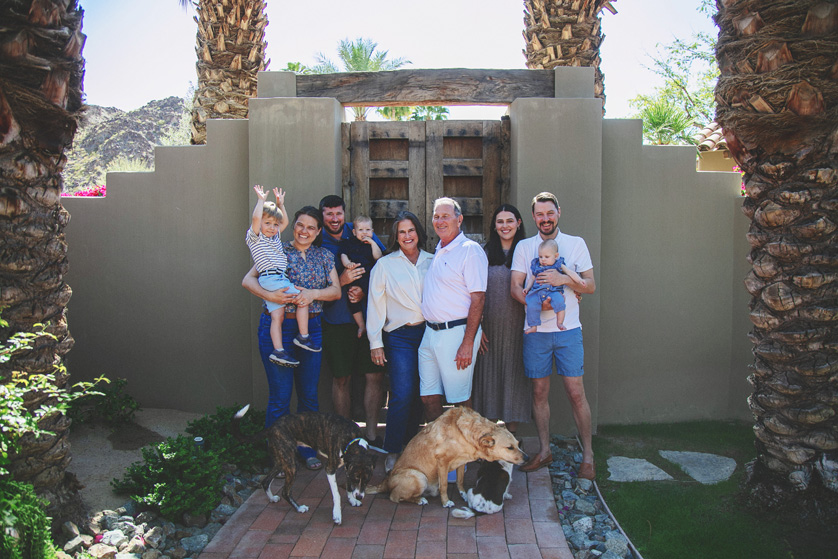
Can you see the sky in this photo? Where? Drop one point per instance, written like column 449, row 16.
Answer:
column 140, row 51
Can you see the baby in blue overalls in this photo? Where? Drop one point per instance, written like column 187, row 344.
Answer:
column 537, row 293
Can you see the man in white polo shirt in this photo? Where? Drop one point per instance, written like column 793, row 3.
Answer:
column 452, row 304
column 548, row 344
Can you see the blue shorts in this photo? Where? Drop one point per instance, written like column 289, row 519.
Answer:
column 566, row 347
column 273, row 282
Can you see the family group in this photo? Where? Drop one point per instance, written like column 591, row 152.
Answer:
column 470, row 325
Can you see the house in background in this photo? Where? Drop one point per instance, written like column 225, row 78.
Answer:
column 713, row 154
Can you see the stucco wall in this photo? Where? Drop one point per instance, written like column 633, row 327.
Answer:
column 156, row 266
column 668, row 286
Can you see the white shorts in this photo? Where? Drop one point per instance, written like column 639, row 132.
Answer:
column 438, row 373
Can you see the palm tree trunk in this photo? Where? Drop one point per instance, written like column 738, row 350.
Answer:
column 41, row 72
column 565, row 33
column 231, row 52
column 777, row 100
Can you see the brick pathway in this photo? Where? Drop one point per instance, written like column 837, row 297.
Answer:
column 527, row 528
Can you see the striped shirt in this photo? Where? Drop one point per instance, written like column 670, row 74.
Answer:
column 267, row 252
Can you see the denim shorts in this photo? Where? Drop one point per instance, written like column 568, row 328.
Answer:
column 540, row 349
column 273, row 282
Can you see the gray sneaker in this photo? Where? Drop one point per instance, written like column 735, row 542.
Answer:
column 281, row 357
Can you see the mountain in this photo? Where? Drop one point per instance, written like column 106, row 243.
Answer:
column 107, row 134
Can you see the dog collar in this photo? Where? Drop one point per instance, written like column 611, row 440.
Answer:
column 360, row 441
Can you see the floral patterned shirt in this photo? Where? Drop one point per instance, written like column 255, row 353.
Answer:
column 311, row 272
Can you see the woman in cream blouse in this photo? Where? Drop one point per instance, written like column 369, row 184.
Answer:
column 395, row 327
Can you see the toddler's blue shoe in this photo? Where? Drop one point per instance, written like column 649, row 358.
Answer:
column 281, row 357
column 307, row 343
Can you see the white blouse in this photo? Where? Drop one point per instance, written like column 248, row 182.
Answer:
column 395, row 294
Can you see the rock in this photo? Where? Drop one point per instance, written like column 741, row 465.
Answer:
column 212, row 529
column 610, row 555
column 195, row 544
column 178, row 553
column 230, row 496
column 109, row 520
column 569, row 496
column 146, row 517
column 584, row 484
column 584, row 524
column 195, row 520
column 128, row 509
column 70, row 530
column 155, row 537
column 102, row 551
column 136, row 546
column 114, row 538
column 127, row 527
column 123, row 555
column 80, row 541
column 579, row 541
column 152, row 554
column 586, row 507
column 617, row 543
column 61, row 555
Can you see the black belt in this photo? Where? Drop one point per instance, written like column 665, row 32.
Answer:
column 272, row 272
column 446, row 325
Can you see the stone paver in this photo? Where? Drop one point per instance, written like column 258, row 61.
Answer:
column 634, row 469
column 703, row 467
column 380, row 529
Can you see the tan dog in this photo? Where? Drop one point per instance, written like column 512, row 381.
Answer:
column 458, row 436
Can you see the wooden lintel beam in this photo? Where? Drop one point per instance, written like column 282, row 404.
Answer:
column 455, row 86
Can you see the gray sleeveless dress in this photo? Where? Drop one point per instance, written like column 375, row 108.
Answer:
column 501, row 389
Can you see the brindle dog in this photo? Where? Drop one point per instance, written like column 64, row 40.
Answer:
column 338, row 440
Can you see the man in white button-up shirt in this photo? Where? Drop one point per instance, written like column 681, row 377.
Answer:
column 452, row 304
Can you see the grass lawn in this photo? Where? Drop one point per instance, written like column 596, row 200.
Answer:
column 684, row 518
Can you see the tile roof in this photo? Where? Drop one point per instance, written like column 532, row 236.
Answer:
column 711, row 138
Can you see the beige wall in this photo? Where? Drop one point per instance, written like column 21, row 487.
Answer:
column 156, row 266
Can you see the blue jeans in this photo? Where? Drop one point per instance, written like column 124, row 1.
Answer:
column 404, row 409
column 281, row 380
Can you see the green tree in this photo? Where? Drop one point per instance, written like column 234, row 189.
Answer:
column 689, row 70
column 665, row 123
column 41, row 71
column 297, row 68
column 360, row 55
column 429, row 113
column 778, row 105
column 230, row 46
column 395, row 113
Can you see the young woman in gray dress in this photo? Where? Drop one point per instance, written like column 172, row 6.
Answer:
column 501, row 390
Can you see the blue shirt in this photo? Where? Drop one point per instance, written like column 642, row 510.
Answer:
column 338, row 311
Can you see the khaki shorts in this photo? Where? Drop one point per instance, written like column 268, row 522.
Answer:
column 438, row 372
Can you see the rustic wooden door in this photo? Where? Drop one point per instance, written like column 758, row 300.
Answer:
column 394, row 166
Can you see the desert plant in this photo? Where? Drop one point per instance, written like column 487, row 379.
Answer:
column 214, row 429
column 123, row 164
column 24, row 525
column 175, row 477
column 111, row 405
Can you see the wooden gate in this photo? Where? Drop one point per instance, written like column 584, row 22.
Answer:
column 394, row 166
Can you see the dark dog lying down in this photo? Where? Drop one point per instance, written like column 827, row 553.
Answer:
column 338, row 440
column 490, row 490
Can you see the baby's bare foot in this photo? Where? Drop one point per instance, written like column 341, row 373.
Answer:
column 530, row 330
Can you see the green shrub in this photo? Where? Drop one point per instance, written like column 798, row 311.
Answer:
column 16, row 419
column 215, row 430
column 111, row 405
column 24, row 527
column 175, row 477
